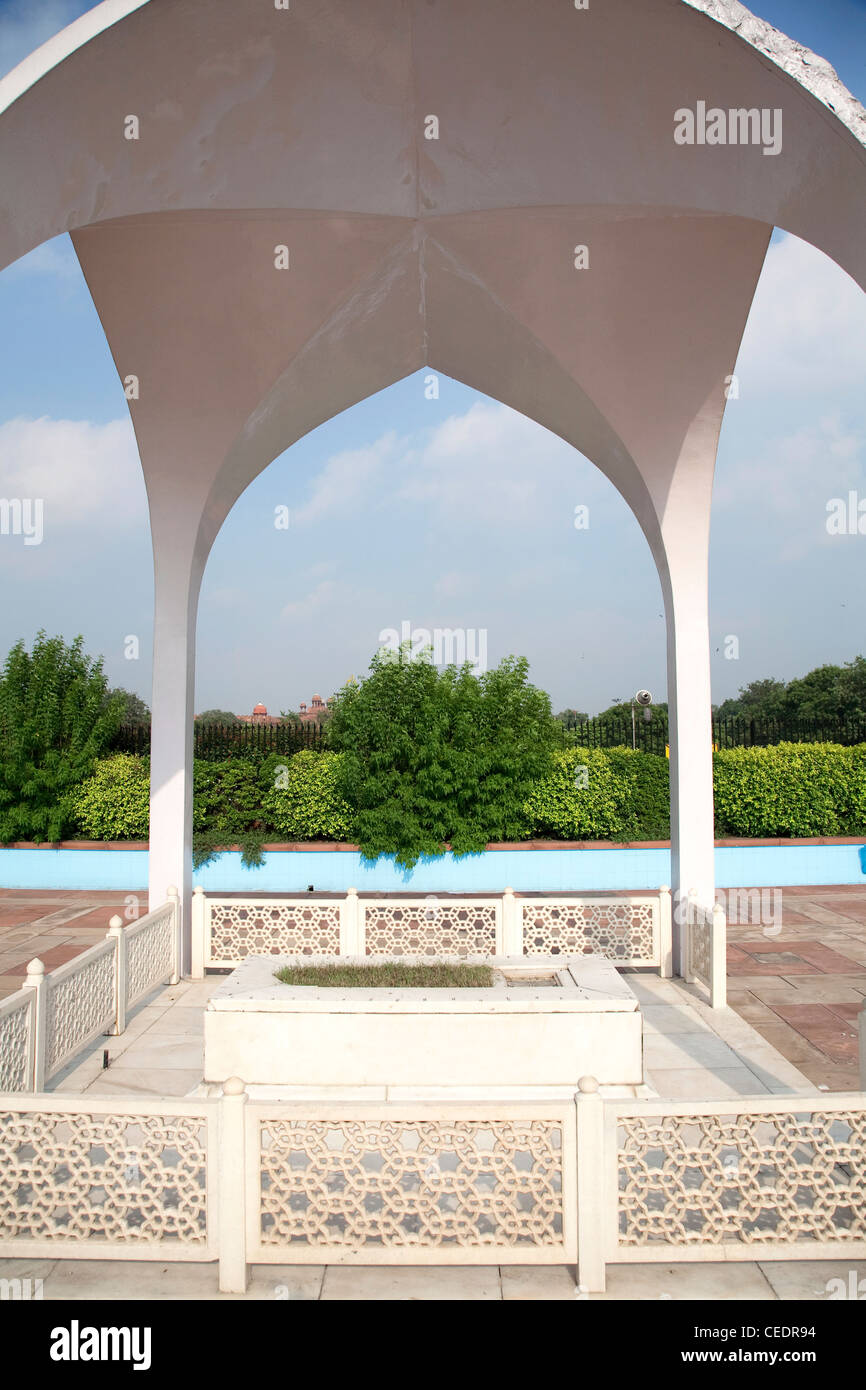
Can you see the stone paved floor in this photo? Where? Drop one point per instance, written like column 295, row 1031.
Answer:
column 800, row 987
column 817, row 961
column 765, row 1281
column 53, row 925
column 691, row 1051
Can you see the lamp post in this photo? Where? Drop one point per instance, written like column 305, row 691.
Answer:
column 644, row 699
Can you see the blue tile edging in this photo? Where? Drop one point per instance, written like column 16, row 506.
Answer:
column 526, row 870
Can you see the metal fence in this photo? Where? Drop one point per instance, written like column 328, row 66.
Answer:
column 651, row 736
column 214, row 742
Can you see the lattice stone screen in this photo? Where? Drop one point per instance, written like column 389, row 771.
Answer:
column 730, row 1176
column 624, row 930
column 634, row 930
column 150, row 952
column 79, row 1004
column 393, row 1186
column 241, row 927
column 432, row 927
column 77, row 1179
column 17, row 1021
column 705, row 938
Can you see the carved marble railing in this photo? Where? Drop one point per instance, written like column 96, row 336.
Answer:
column 450, row 1181
column 630, row 930
column 56, row 1015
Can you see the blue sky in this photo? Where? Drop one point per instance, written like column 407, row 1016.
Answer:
column 393, row 516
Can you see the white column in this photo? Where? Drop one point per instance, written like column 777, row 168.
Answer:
column 591, row 1194
column 232, row 1219
column 686, row 536
column 171, row 738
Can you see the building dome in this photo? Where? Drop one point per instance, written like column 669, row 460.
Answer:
column 260, row 709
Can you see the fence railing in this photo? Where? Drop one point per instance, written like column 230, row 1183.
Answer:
column 704, row 938
column 216, row 741
column 435, row 1182
column 633, row 930
column 653, row 736
column 55, row 1016
column 213, row 742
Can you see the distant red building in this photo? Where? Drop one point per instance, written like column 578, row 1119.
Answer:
column 260, row 716
column 317, row 708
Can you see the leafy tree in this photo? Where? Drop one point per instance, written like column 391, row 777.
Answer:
column 432, row 758
column 572, row 716
column 135, row 711
column 56, row 717
column 764, row 699
column 216, row 716
column 826, row 694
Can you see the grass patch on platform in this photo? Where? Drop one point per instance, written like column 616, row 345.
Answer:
column 389, row 976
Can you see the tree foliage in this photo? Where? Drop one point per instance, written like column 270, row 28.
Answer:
column 56, row 718
column 827, row 695
column 432, row 758
column 217, row 716
column 135, row 711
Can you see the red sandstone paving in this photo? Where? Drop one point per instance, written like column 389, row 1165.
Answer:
column 819, row 1037
column 57, row 955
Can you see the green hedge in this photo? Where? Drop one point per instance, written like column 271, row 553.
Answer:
column 301, row 801
column 291, row 798
column 113, row 804
column 792, row 789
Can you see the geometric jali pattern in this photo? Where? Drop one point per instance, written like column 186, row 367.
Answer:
column 399, row 1183
column 429, row 928
column 242, row 929
column 78, row 1007
column 622, row 931
column 133, row 1179
column 15, row 1047
column 150, row 954
column 709, row 1179
column 700, row 949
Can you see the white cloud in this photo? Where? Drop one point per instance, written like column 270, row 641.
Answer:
column 807, row 327
column 346, row 479
column 84, row 472
column 452, row 584
column 487, row 463
column 56, row 258
column 322, row 596
column 792, row 469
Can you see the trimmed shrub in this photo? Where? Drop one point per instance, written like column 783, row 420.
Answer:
column 583, row 798
column 113, row 804
column 227, row 797
column 300, row 797
column 648, row 805
column 851, row 796
column 790, row 789
column 793, row 789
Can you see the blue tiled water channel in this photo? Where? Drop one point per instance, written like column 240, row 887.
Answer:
column 546, row 870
